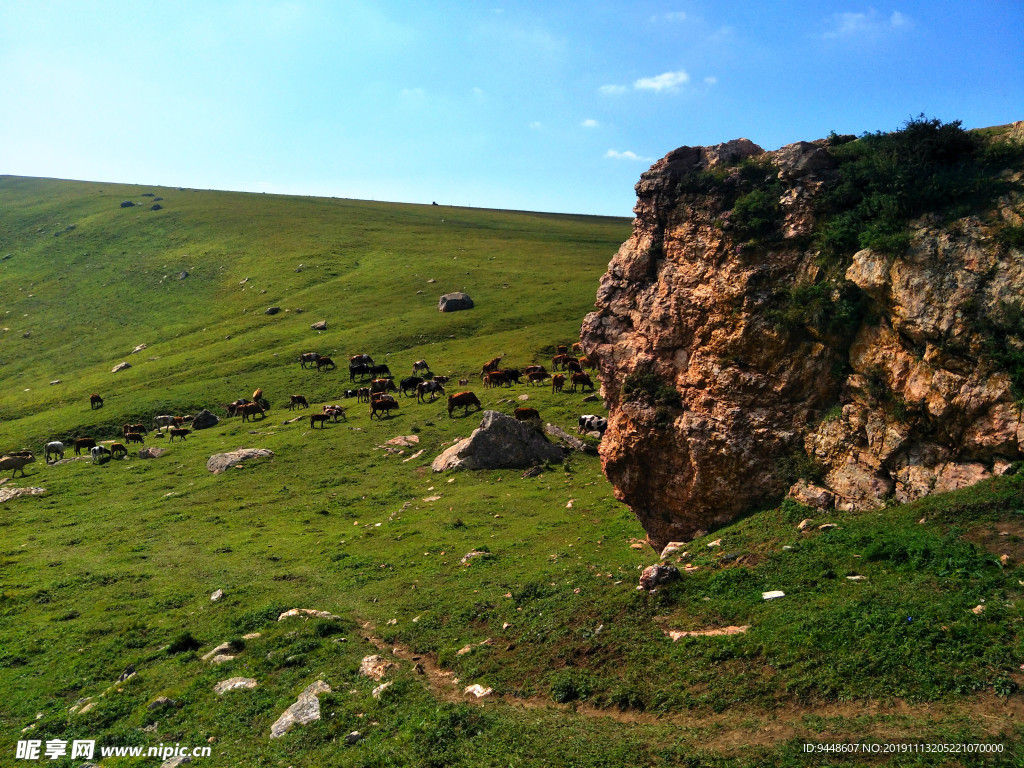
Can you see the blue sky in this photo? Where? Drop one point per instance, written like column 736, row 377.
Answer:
column 531, row 105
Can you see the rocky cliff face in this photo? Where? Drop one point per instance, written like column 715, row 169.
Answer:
column 721, row 393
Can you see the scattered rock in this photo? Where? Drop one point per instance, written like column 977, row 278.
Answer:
column 478, row 690
column 6, row 494
column 375, row 667
column 156, row 207
column 811, row 495
column 772, row 595
column 804, row 524
column 715, row 543
column 162, row 702
column 523, row 398
column 174, row 762
column 676, row 634
column 151, row 453
column 306, row 613
column 467, row 648
column 220, row 462
column 218, row 595
column 271, row 310
column 218, row 655
column 182, row 275
column 1004, row 560
column 55, row 381
column 857, row 577
column 533, row 471
column 319, row 326
column 827, row 526
column 466, row 558
column 591, row 398
column 500, row 442
column 978, row 610
column 376, row 692
column 204, row 420
column 406, row 441
column 354, row 738
column 672, row 546
column 127, row 204
column 569, row 442
column 305, row 710
column 234, row 684
column 139, row 348
column 120, row 367
column 654, row 576
column 453, row 302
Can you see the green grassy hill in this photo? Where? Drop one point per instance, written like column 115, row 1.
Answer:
column 115, row 564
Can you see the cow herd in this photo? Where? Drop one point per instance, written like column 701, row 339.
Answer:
column 377, row 388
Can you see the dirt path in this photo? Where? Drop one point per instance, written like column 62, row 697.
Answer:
column 991, row 719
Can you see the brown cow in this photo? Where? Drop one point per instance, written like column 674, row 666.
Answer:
column 463, row 400
column 557, row 382
column 334, row 411
column 118, row 448
column 537, row 377
column 177, row 432
column 384, row 405
column 561, row 349
column 490, row 365
column 16, row 461
column 250, row 409
column 383, row 385
column 558, row 361
column 133, row 437
column 84, row 442
column 363, row 395
column 95, row 401
column 325, row 362
column 495, row 379
column 572, row 364
column 524, row 414
column 441, row 379
column 583, row 380
column 535, row 369
column 318, row 418
column 298, row 401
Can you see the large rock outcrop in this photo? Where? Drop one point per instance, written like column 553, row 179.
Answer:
column 718, row 401
column 500, row 442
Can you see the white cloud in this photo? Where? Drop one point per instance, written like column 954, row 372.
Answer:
column 536, row 125
column 846, row 25
column 712, row 80
column 412, row 93
column 675, row 16
column 612, row 90
column 667, row 81
column 589, row 123
column 627, row 155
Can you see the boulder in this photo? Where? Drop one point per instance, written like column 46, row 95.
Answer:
column 319, row 326
column 271, row 310
column 811, row 495
column 305, row 710
column 120, row 367
column 234, row 684
column 127, row 204
column 453, row 302
column 204, row 420
column 151, row 453
column 375, row 667
column 500, row 442
column 655, row 575
column 220, row 462
column 156, row 207
column 569, row 442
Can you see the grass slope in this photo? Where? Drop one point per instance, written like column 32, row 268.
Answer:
column 115, row 565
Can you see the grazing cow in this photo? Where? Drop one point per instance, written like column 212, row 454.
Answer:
column 577, row 347
column 257, row 395
column 358, row 369
column 298, row 401
column 118, row 448
column 363, row 395
column 586, row 362
column 561, row 349
column 350, row 393
column 99, row 454
column 512, row 375
column 84, row 443
column 535, row 369
column 325, row 362
column 536, row 377
column 558, row 361
column 181, row 431
column 383, row 405
column 380, row 370
column 441, row 379
column 433, row 387
column 95, row 401
column 525, row 414
column 249, row 410
column 308, row 357
column 463, row 382
column 590, row 423
column 557, row 382
column 164, row 421
column 360, row 360
column 583, row 380
column 463, row 400
column 335, row 411
column 490, row 365
column 410, row 384
column 54, row 448
column 383, row 385
column 572, row 364
column 128, row 428
column 318, row 418
column 133, row 437
column 495, row 379
column 16, row 461
column 420, row 365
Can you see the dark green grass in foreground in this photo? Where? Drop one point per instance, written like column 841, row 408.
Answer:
column 115, row 565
